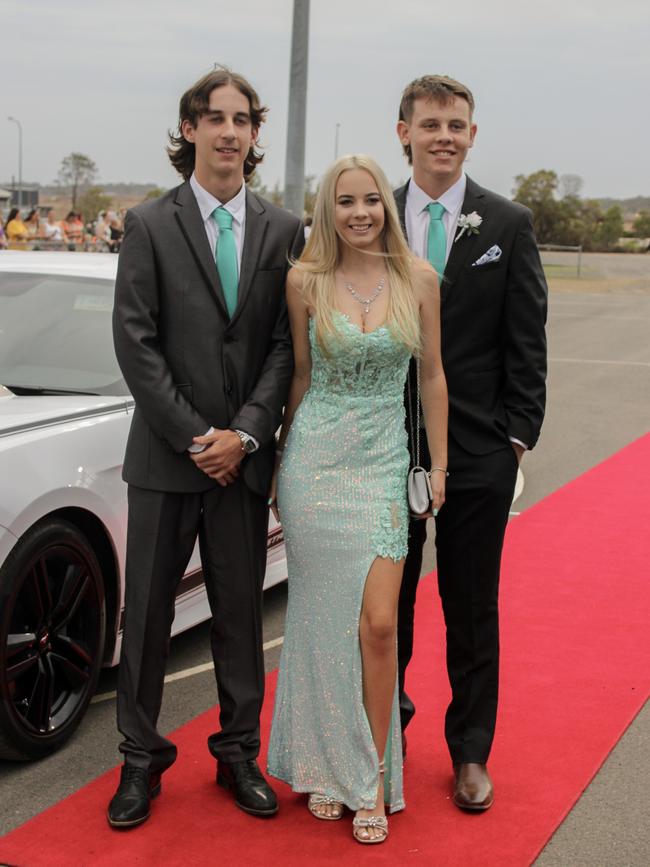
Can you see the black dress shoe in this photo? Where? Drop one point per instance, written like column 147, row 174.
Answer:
column 130, row 805
column 473, row 789
column 252, row 793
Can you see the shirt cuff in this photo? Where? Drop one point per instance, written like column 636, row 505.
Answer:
column 197, row 448
column 519, row 442
column 248, row 437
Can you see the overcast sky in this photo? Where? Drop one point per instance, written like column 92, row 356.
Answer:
column 559, row 84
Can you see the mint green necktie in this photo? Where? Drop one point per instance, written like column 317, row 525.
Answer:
column 437, row 238
column 226, row 258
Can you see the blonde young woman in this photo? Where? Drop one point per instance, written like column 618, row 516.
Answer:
column 360, row 306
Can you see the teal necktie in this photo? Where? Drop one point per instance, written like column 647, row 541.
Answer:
column 437, row 238
column 226, row 258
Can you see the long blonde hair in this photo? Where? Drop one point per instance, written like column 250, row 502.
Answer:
column 322, row 255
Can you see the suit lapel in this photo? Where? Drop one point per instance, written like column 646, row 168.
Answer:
column 400, row 201
column 254, row 233
column 465, row 249
column 461, row 250
column 191, row 224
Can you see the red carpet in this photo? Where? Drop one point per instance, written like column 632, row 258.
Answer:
column 576, row 656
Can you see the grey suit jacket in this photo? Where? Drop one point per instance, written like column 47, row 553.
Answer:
column 187, row 364
column 493, row 326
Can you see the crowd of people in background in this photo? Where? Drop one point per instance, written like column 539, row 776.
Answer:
column 35, row 232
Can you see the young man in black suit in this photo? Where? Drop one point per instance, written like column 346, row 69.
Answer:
column 493, row 314
column 202, row 337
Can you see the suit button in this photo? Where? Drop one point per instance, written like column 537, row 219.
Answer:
column 228, row 388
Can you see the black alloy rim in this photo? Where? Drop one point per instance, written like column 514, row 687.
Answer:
column 52, row 641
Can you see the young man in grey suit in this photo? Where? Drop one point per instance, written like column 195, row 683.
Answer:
column 202, row 336
column 493, row 313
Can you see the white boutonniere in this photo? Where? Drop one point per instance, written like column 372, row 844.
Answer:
column 468, row 223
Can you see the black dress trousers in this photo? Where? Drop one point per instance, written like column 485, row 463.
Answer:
column 231, row 523
column 470, row 530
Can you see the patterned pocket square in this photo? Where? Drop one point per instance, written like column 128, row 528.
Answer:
column 491, row 255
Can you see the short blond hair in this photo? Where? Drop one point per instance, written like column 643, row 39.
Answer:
column 439, row 88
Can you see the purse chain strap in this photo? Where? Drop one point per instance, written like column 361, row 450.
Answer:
column 415, row 440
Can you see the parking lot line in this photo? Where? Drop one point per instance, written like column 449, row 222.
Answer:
column 562, row 315
column 599, row 361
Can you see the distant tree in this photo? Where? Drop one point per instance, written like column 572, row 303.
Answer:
column 570, row 220
column 256, row 186
column 570, row 186
column 591, row 216
column 274, row 196
column 641, row 225
column 77, row 170
column 580, row 221
column 154, row 193
column 537, row 192
column 277, row 195
column 566, row 228
column 92, row 202
column 311, row 191
column 610, row 228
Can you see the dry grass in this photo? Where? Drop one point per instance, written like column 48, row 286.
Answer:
column 604, row 273
column 63, row 203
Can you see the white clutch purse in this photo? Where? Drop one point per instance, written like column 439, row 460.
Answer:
column 420, row 495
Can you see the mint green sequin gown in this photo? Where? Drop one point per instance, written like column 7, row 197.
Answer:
column 342, row 501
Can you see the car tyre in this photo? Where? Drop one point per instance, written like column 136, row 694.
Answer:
column 52, row 631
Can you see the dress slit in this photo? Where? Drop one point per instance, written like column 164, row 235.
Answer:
column 388, row 750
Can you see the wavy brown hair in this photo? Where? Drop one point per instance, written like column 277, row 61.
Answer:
column 439, row 88
column 195, row 102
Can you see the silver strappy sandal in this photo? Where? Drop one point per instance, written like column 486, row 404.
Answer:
column 378, row 823
column 315, row 801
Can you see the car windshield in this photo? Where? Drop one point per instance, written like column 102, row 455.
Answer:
column 55, row 335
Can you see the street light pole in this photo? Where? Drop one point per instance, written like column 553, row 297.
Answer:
column 20, row 159
column 294, row 175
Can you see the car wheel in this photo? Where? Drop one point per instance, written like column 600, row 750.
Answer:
column 52, row 628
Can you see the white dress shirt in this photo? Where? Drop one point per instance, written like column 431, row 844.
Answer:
column 416, row 217
column 237, row 207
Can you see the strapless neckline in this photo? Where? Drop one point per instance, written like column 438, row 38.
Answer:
column 346, row 318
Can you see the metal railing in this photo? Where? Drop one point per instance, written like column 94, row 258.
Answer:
column 565, row 248
column 88, row 245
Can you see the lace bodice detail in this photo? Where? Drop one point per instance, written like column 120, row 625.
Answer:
column 370, row 365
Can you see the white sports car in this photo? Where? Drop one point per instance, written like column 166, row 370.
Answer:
column 64, row 417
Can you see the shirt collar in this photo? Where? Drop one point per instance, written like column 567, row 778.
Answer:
column 451, row 199
column 207, row 202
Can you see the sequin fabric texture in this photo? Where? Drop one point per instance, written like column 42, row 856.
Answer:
column 342, row 500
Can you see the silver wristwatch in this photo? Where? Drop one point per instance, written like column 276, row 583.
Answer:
column 247, row 442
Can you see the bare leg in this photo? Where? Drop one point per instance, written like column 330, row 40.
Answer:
column 378, row 635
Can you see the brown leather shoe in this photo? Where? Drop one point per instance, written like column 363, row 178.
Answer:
column 473, row 787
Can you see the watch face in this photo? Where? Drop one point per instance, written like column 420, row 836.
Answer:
column 249, row 446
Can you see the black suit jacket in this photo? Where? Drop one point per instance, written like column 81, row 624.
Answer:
column 493, row 327
column 187, row 364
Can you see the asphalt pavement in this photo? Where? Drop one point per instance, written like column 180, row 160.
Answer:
column 599, row 401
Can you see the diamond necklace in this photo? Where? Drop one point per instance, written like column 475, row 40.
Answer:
column 365, row 302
